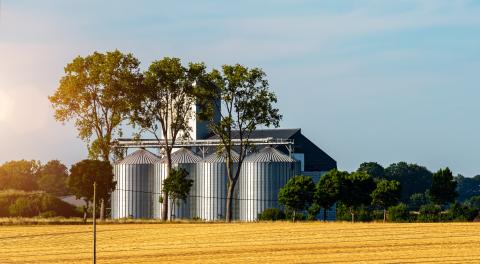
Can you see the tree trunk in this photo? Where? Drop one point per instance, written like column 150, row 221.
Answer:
column 384, row 215
column 229, row 208
column 353, row 215
column 294, row 215
column 165, row 195
column 324, row 214
column 85, row 210
column 102, row 209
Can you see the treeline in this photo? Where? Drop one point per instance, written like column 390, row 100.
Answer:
column 401, row 192
column 29, row 188
column 31, row 175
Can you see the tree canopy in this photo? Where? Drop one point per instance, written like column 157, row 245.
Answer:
column 19, row 175
column 52, row 178
column 177, row 185
column 246, row 103
column 84, row 173
column 327, row 190
column 443, row 189
column 467, row 187
column 164, row 104
column 373, row 169
column 386, row 194
column 93, row 94
column 297, row 194
column 414, row 178
column 356, row 190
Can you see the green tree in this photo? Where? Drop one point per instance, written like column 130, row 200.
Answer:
column 19, row 175
column 245, row 99
column 398, row 213
column 82, row 176
column 467, row 187
column 373, row 169
column 443, row 189
column 94, row 92
column 52, row 178
column 163, row 106
column 327, row 191
column 474, row 202
column 356, row 190
column 385, row 195
column 419, row 199
column 297, row 194
column 412, row 177
column 177, row 185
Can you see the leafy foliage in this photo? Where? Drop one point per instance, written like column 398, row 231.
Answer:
column 443, row 189
column 474, row 202
column 245, row 99
column 297, row 194
column 93, row 93
column 413, row 178
column 19, row 175
column 461, row 212
column 84, row 173
column 356, row 191
column 29, row 204
column 373, row 169
column 327, row 191
column 419, row 199
column 398, row 213
column 467, row 187
column 386, row 194
column 177, row 185
column 429, row 213
column 52, row 178
column 163, row 105
column 271, row 214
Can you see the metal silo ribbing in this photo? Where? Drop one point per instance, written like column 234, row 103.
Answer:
column 211, row 188
column 182, row 158
column 262, row 176
column 134, row 176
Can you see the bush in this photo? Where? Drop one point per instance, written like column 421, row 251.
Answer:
column 29, row 204
column 48, row 214
column 363, row 214
column 271, row 214
column 461, row 212
column 24, row 207
column 313, row 211
column 473, row 202
column 398, row 213
column 429, row 213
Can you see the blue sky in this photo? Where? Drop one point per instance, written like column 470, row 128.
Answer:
column 367, row 80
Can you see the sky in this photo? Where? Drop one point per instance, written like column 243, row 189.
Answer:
column 383, row 81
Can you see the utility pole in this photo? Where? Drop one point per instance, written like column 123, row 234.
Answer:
column 94, row 224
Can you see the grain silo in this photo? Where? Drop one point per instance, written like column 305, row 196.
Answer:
column 181, row 158
column 211, row 187
column 134, row 176
column 262, row 175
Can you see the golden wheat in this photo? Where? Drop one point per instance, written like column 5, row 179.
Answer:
column 280, row 242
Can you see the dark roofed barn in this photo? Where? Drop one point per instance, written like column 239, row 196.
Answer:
column 315, row 159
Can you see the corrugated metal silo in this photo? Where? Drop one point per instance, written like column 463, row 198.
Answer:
column 134, row 176
column 211, row 188
column 182, row 158
column 262, row 175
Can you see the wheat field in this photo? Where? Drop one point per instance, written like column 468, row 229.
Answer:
column 280, row 242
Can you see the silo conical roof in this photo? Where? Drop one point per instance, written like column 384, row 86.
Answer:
column 140, row 156
column 182, row 155
column 220, row 158
column 268, row 154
